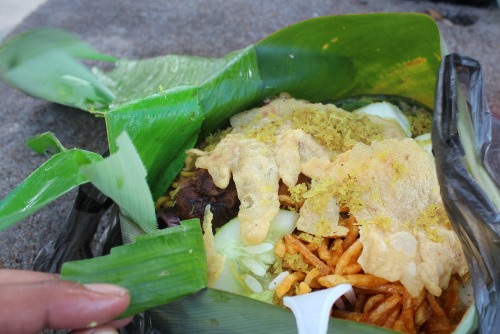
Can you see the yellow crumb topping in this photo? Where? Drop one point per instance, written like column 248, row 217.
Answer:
column 430, row 220
column 383, row 222
column 420, row 123
column 265, row 133
column 213, row 139
column 347, row 193
column 400, row 169
column 297, row 192
column 334, row 128
column 296, row 262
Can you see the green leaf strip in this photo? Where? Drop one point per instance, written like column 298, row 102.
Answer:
column 157, row 269
column 55, row 177
column 45, row 143
column 122, row 177
column 43, row 63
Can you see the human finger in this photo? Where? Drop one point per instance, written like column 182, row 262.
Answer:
column 9, row 276
column 59, row 304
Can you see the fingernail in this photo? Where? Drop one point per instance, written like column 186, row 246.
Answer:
column 105, row 330
column 107, row 289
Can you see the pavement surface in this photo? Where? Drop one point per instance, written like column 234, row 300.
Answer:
column 136, row 29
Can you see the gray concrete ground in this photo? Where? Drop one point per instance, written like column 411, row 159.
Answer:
column 138, row 29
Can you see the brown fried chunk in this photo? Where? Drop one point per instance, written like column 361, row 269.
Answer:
column 198, row 191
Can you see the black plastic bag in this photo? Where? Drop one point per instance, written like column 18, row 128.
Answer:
column 473, row 214
column 75, row 240
column 463, row 140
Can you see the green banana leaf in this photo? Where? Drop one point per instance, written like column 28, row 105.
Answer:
column 214, row 311
column 170, row 125
column 134, row 79
column 348, row 55
column 167, row 103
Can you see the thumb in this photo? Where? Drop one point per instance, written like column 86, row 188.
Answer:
column 59, row 304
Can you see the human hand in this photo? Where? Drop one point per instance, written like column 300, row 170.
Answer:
column 31, row 301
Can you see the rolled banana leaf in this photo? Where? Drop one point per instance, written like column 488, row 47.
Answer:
column 166, row 104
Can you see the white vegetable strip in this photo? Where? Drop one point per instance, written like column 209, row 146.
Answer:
column 277, row 280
